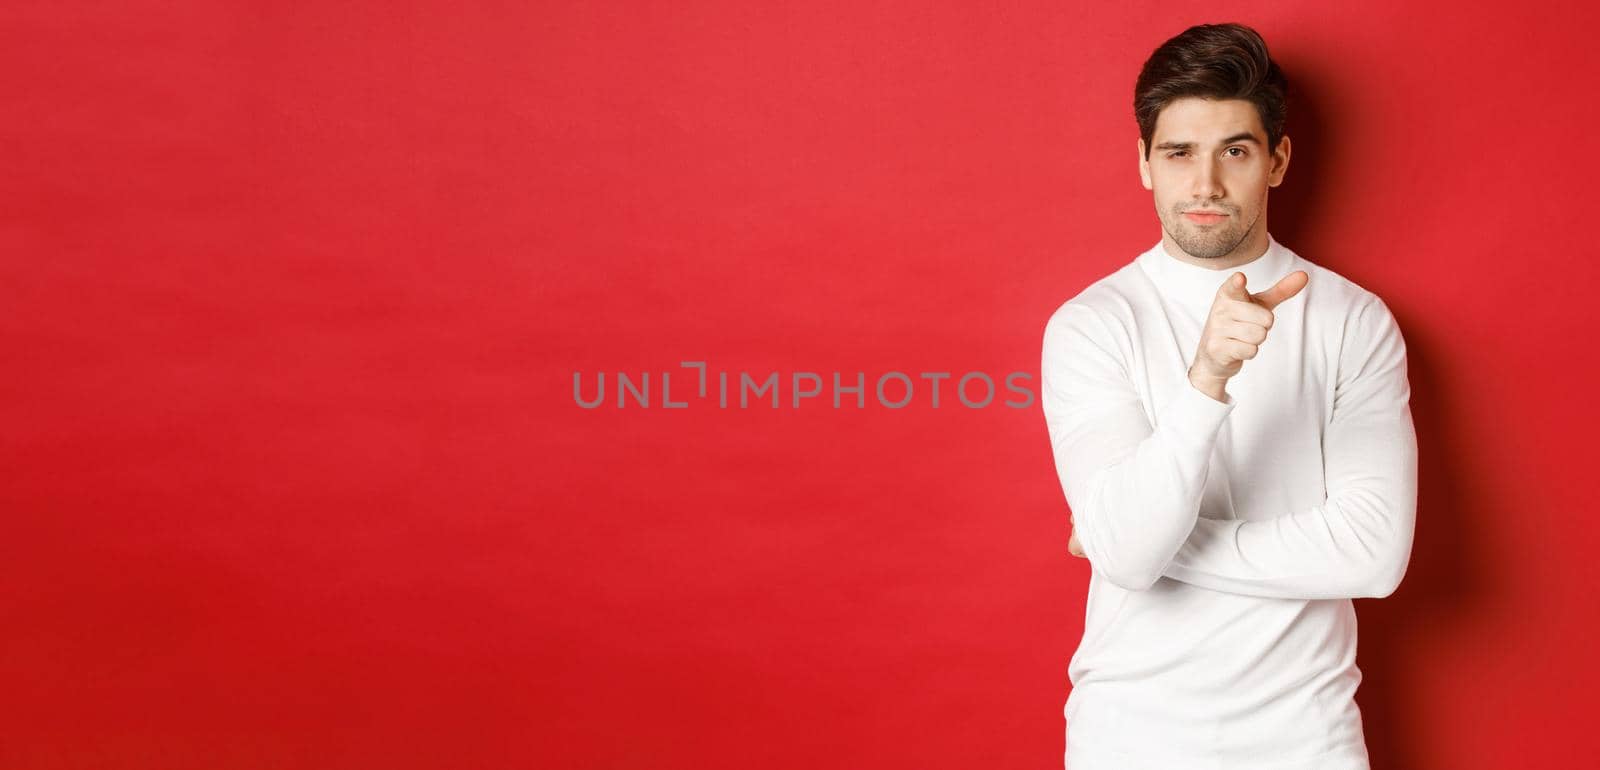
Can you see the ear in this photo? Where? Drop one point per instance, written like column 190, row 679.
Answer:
column 1280, row 162
column 1144, row 167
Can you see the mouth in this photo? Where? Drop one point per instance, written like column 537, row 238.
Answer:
column 1205, row 217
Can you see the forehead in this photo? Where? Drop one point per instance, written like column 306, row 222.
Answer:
column 1193, row 119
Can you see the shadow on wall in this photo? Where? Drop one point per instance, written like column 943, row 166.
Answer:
column 1294, row 204
column 1446, row 576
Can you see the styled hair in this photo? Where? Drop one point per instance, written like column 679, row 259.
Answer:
column 1212, row 61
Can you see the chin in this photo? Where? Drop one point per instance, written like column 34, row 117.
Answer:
column 1208, row 248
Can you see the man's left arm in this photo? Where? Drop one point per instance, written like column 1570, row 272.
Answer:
column 1357, row 542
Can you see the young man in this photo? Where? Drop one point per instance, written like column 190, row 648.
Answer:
column 1232, row 430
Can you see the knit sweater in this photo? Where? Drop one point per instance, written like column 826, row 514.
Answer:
column 1227, row 539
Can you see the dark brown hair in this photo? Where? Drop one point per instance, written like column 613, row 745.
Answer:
column 1213, row 61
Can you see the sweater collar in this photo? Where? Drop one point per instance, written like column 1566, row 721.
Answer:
column 1197, row 286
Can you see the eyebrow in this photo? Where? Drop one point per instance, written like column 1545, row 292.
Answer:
column 1244, row 137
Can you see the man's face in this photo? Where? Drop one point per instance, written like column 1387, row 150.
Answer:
column 1209, row 169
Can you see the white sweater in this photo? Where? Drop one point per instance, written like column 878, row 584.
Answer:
column 1227, row 538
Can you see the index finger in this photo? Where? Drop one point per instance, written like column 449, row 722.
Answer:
column 1286, row 287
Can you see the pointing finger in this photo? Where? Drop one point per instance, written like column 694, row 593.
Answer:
column 1289, row 286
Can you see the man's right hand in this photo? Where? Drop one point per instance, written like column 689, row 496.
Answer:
column 1235, row 328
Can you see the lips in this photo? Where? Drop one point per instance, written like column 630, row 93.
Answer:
column 1205, row 217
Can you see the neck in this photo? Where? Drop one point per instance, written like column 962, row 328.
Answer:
column 1249, row 250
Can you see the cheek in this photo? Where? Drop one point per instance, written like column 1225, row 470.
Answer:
column 1251, row 180
column 1164, row 187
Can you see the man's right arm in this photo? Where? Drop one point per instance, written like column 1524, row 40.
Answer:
column 1134, row 490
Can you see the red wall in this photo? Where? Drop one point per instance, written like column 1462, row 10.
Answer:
column 292, row 295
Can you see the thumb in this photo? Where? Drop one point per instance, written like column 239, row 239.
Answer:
column 1233, row 287
column 1285, row 288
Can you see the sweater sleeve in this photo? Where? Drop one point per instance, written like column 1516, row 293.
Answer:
column 1134, row 490
column 1357, row 542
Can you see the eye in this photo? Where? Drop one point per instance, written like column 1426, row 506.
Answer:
column 1177, row 153
column 1240, row 149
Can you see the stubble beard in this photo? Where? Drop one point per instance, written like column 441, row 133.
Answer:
column 1213, row 242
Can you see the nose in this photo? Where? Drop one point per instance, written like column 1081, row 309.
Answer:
column 1208, row 181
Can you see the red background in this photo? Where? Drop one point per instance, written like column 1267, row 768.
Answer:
column 293, row 294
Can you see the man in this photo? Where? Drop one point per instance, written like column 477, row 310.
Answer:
column 1232, row 431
